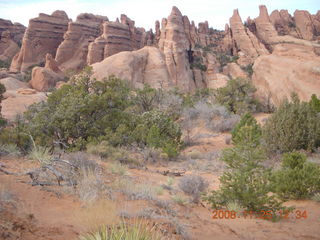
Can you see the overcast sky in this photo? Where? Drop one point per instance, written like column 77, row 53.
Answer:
column 146, row 12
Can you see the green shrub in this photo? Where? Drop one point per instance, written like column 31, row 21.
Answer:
column 297, row 178
column 315, row 103
column 224, row 59
column 4, row 64
column 88, row 112
column 15, row 135
column 10, row 150
column 248, row 69
column 147, row 98
column 237, row 96
column 294, row 126
column 247, row 131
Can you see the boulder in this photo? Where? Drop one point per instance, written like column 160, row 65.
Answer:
column 17, row 102
column 44, row 78
column 146, row 65
column 11, row 83
column 43, row 35
column 290, row 68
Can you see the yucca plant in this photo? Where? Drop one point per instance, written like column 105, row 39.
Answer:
column 123, row 231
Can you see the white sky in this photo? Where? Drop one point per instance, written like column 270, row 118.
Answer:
column 146, row 12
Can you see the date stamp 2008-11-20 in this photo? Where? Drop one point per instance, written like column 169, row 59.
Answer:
column 267, row 215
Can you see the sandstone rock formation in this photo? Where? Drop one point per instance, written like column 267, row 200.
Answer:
column 116, row 37
column 10, row 39
column 304, row 22
column 290, row 68
column 265, row 31
column 146, row 65
column 16, row 30
column 17, row 102
column 72, row 52
column 174, row 44
column 283, row 23
column 234, row 71
column 44, row 78
column 8, row 47
column 11, row 83
column 43, row 35
column 244, row 43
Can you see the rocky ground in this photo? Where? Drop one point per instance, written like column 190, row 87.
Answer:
column 61, row 212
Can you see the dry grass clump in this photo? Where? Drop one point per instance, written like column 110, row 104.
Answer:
column 193, row 186
column 97, row 213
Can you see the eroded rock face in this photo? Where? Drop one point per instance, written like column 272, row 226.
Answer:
column 16, row 30
column 283, row 23
column 117, row 37
column 8, row 47
column 265, row 31
column 10, row 38
column 43, row 35
column 304, row 24
column 290, row 68
column 146, row 65
column 44, row 78
column 174, row 44
column 72, row 52
column 244, row 43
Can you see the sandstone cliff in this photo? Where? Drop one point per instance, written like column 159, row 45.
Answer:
column 10, row 39
column 72, row 52
column 43, row 35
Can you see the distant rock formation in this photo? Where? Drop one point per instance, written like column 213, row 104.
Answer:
column 72, row 52
column 242, row 41
column 116, row 37
column 284, row 51
column 10, row 39
column 43, row 35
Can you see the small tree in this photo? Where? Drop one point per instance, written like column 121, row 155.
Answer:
column 297, row 178
column 237, row 96
column 247, row 131
column 315, row 103
column 247, row 181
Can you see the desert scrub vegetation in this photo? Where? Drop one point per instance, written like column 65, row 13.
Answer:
column 87, row 112
column 237, row 96
column 294, row 126
column 297, row 178
column 4, row 64
column 194, row 186
column 9, row 150
column 248, row 125
column 246, row 181
column 216, row 118
column 2, row 91
column 135, row 231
